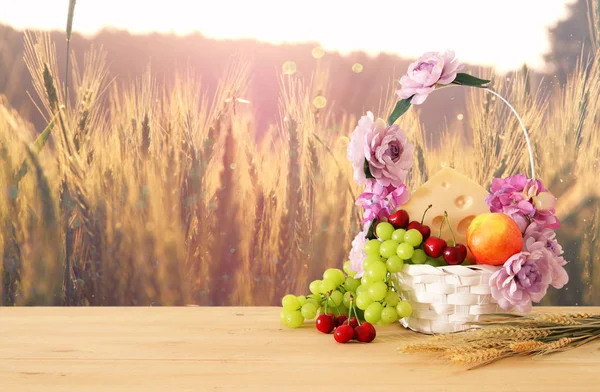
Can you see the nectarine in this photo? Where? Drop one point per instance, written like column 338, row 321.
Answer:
column 493, row 237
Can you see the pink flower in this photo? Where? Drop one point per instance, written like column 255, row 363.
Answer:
column 379, row 201
column 430, row 69
column 524, row 278
column 382, row 150
column 357, row 254
column 539, row 238
column 356, row 147
column 524, row 200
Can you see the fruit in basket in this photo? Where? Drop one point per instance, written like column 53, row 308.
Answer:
column 419, row 256
column 454, row 255
column 434, row 247
column 413, row 237
column 423, row 229
column 494, row 237
column 384, row 230
column 399, row 219
column 398, row 235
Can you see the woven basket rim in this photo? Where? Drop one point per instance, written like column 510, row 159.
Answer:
column 423, row 269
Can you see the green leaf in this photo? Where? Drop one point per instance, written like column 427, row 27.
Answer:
column 367, row 170
column 468, row 80
column 39, row 143
column 401, row 107
column 371, row 231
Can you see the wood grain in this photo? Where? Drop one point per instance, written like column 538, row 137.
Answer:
column 245, row 349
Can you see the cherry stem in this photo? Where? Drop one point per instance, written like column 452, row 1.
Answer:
column 441, row 225
column 353, row 307
column 450, row 227
column 423, row 218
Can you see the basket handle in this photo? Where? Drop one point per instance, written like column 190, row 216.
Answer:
column 525, row 133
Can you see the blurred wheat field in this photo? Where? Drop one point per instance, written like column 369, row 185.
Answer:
column 149, row 194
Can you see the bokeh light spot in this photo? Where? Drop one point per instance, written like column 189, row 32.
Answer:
column 357, row 68
column 460, row 117
column 318, row 52
column 320, row 101
column 289, row 67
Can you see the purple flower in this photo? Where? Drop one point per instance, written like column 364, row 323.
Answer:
column 384, row 149
column 430, row 69
column 524, row 200
column 523, row 278
column 539, row 238
column 379, row 201
column 357, row 254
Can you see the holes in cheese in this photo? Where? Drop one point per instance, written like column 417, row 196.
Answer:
column 448, row 190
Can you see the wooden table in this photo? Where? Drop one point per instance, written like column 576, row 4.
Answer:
column 244, row 349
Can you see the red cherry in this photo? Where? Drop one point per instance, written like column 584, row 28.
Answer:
column 434, row 247
column 325, row 323
column 423, row 229
column 399, row 219
column 341, row 319
column 365, row 332
column 353, row 322
column 456, row 254
column 343, row 334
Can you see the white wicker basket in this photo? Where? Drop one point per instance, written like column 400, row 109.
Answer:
column 445, row 298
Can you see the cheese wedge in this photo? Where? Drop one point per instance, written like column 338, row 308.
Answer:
column 448, row 190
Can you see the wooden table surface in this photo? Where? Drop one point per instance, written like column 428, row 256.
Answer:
column 245, row 349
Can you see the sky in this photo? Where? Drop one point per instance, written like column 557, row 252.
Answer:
column 505, row 34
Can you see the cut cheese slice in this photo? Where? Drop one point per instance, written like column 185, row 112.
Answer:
column 448, row 190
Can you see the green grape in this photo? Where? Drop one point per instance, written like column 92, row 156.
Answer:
column 370, row 259
column 405, row 251
column 327, row 285
column 388, row 248
column 365, row 281
column 363, row 301
column 419, row 256
column 394, row 264
column 335, row 299
column 384, row 230
column 351, row 284
column 294, row 319
column 435, row 262
column 309, row 311
column 282, row 317
column 373, row 312
column 391, row 298
column 290, row 303
column 389, row 315
column 335, row 275
column 301, row 299
column 403, row 309
column 348, row 295
column 342, row 309
column 398, row 235
column 348, row 269
column 375, row 272
column 372, row 247
column 378, row 290
column 363, row 288
column 312, row 301
column 315, row 286
column 413, row 237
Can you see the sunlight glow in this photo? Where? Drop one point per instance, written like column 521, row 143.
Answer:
column 505, row 34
